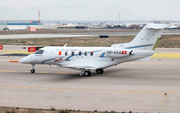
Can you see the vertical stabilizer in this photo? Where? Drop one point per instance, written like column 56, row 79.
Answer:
column 148, row 36
column 146, row 39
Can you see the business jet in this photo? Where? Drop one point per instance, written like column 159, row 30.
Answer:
column 87, row 59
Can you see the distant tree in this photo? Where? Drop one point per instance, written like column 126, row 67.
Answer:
column 124, row 27
column 117, row 27
column 134, row 27
column 108, row 26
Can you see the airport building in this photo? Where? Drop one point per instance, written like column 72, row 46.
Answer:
column 72, row 26
column 20, row 26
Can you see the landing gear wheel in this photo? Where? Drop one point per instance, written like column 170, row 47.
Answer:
column 99, row 71
column 32, row 70
column 87, row 73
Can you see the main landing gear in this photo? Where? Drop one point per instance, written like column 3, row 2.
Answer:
column 88, row 73
column 99, row 71
column 33, row 70
column 85, row 73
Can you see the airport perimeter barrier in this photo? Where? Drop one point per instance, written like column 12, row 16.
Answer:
column 1, row 47
column 103, row 36
column 33, row 49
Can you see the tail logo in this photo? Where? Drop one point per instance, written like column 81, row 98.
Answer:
column 147, row 36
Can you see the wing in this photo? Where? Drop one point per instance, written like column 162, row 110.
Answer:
column 80, row 67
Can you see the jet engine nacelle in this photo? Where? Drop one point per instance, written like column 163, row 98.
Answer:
column 119, row 53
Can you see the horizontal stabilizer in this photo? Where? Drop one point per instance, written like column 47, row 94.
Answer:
column 157, row 26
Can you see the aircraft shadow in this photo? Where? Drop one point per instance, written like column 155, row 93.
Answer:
column 76, row 76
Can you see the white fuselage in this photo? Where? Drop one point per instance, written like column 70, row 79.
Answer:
column 85, row 57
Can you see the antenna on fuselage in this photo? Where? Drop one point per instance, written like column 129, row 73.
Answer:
column 65, row 45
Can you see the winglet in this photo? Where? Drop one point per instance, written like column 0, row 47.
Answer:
column 65, row 45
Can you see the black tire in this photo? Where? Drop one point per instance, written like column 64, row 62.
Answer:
column 6, row 29
column 87, row 73
column 32, row 70
column 99, row 71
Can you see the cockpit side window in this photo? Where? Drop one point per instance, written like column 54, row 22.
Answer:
column 39, row 52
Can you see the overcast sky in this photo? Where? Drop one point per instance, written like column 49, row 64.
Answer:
column 152, row 9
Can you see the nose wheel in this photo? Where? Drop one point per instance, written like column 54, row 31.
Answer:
column 33, row 70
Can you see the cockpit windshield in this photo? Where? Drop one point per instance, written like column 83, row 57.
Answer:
column 39, row 52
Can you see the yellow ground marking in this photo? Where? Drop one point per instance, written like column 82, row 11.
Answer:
column 154, row 63
column 22, row 52
column 41, row 72
column 65, row 73
column 166, row 55
column 103, row 75
column 36, row 72
column 29, row 72
column 97, row 90
column 4, row 60
column 25, row 71
column 145, row 76
column 7, row 71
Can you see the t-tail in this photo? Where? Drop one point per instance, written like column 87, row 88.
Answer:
column 146, row 39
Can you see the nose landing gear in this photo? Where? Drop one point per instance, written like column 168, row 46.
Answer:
column 33, row 70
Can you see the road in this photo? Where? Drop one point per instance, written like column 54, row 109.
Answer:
column 132, row 86
column 64, row 35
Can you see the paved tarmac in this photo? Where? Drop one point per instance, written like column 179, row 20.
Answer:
column 64, row 35
column 133, row 86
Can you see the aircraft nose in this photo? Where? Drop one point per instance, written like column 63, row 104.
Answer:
column 25, row 60
column 21, row 60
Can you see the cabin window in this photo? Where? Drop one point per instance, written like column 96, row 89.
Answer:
column 80, row 53
column 72, row 54
column 91, row 53
column 66, row 53
column 85, row 53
